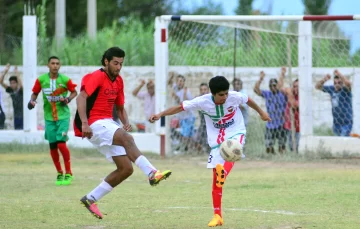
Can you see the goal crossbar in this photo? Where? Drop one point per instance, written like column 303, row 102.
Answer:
column 260, row 17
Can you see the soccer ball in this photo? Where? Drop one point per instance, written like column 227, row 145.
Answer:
column 231, row 150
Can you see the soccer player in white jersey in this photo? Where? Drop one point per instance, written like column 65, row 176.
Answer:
column 224, row 120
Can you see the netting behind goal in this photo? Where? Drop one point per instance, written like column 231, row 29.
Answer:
column 240, row 50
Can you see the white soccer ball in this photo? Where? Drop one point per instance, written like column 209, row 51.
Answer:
column 231, row 150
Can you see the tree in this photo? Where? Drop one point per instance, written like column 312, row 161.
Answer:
column 244, row 7
column 318, row 7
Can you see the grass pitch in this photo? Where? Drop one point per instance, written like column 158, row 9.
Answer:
column 257, row 194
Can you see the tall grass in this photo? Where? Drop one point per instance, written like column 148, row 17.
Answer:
column 187, row 46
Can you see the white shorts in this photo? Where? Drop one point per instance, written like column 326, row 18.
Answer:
column 215, row 157
column 103, row 134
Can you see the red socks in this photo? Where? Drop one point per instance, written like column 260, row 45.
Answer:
column 216, row 195
column 55, row 157
column 66, row 155
column 217, row 192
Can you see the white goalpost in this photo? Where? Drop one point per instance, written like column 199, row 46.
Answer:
column 198, row 47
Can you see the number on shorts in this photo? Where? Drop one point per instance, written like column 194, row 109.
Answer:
column 210, row 158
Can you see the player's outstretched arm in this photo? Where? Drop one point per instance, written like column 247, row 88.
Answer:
column 264, row 115
column 167, row 112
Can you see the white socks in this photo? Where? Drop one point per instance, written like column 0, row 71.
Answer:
column 145, row 165
column 100, row 191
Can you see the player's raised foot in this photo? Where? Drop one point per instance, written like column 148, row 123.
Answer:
column 91, row 206
column 59, row 179
column 67, row 179
column 216, row 221
column 158, row 176
column 220, row 175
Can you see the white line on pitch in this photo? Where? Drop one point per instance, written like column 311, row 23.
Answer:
column 281, row 212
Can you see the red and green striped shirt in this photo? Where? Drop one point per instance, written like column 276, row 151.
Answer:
column 53, row 90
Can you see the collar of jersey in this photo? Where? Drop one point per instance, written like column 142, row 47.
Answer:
column 56, row 76
column 101, row 69
column 212, row 98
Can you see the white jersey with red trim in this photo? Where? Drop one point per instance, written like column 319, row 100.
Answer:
column 222, row 121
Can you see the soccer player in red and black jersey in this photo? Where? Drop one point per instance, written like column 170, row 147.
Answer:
column 100, row 91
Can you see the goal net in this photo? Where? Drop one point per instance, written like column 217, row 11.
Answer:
column 190, row 50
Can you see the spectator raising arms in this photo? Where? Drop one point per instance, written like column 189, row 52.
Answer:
column 149, row 102
column 292, row 121
column 16, row 92
column 275, row 101
column 341, row 101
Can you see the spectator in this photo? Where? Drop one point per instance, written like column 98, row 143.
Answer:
column 275, row 102
column 341, row 101
column 201, row 135
column 238, row 86
column 149, row 102
column 2, row 111
column 292, row 113
column 16, row 92
column 186, row 119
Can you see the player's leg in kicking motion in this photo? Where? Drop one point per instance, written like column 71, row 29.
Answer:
column 123, row 170
column 220, row 173
column 219, row 176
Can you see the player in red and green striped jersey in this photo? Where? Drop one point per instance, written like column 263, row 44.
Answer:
column 55, row 88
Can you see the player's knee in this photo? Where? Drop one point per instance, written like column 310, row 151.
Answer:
column 126, row 170
column 128, row 140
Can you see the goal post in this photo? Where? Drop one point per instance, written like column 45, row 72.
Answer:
column 186, row 44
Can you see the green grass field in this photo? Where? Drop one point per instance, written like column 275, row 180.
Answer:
column 257, row 194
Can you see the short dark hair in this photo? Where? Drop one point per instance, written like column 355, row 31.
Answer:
column 111, row 53
column 181, row 76
column 203, row 84
column 236, row 80
column 53, row 57
column 336, row 77
column 13, row 78
column 273, row 81
column 218, row 83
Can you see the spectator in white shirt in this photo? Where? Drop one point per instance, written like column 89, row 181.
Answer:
column 148, row 97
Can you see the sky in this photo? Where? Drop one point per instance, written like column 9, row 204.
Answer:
column 295, row 7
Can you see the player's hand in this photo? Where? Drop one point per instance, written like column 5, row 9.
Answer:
column 265, row 116
column 154, row 118
column 65, row 101
column 31, row 104
column 262, row 75
column 86, row 130
column 127, row 127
